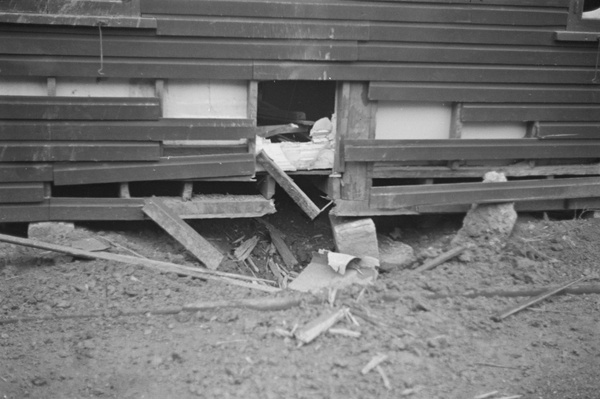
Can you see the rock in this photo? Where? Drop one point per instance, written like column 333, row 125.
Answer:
column 394, row 254
column 55, row 232
column 488, row 225
column 39, row 381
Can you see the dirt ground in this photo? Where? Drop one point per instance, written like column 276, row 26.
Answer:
column 437, row 346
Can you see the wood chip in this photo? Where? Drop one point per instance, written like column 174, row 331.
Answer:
column 319, row 325
column 345, row 332
column 385, row 379
column 377, row 360
column 486, row 395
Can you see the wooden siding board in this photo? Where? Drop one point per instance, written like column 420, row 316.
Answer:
column 266, row 29
column 192, row 167
column 69, row 7
column 21, row 192
column 149, row 47
column 77, row 20
column 34, row 212
column 423, row 73
column 125, row 67
column 569, row 131
column 461, row 34
column 472, row 54
column 529, row 112
column 164, row 129
column 404, row 12
column 465, row 149
column 30, row 172
column 525, row 3
column 467, row 193
column 389, row 91
column 77, row 209
column 79, row 108
column 15, row 151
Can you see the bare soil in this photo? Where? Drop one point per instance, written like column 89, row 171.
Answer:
column 437, row 348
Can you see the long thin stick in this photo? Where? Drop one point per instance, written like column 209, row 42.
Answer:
column 512, row 310
column 153, row 264
column 440, row 259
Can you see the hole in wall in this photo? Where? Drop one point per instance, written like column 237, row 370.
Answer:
column 289, row 101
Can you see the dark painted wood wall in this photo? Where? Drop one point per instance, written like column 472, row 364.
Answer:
column 500, row 58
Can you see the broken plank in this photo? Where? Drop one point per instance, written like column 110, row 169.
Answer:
column 286, row 254
column 183, row 233
column 177, row 168
column 288, row 185
column 440, row 259
column 164, row 267
column 514, row 309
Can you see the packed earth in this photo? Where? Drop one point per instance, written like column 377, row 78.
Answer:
column 76, row 328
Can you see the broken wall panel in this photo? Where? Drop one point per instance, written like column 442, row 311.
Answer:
column 176, row 168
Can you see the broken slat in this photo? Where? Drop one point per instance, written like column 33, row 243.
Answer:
column 286, row 254
column 183, row 233
column 440, row 259
column 288, row 185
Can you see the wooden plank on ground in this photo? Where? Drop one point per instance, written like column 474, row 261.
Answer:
column 362, row 11
column 183, row 233
column 21, row 192
column 288, row 257
column 122, row 67
column 163, row 129
column 468, row 193
column 25, row 172
column 174, row 168
column 466, row 149
column 569, row 131
column 220, row 206
column 440, row 92
column 80, row 108
column 262, row 28
column 530, row 112
column 16, row 151
column 288, row 185
column 32, row 43
column 84, row 209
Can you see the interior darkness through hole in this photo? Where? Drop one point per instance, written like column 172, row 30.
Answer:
column 590, row 5
column 315, row 98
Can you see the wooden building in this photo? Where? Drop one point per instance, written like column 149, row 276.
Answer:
column 105, row 102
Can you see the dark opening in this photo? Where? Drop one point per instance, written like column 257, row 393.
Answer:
column 590, row 5
column 293, row 101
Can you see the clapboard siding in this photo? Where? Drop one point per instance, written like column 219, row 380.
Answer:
column 190, row 167
column 165, row 129
column 366, row 11
column 424, row 73
column 269, row 29
column 424, row 150
column 73, row 151
column 25, row 172
column 69, row 7
column 529, row 112
column 145, row 47
column 392, row 91
column 79, row 108
column 159, row 68
column 21, row 192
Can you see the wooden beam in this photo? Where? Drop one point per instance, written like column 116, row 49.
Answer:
column 220, row 206
column 21, row 192
column 86, row 209
column 288, row 185
column 468, row 193
column 25, row 172
column 569, row 131
column 183, row 233
column 79, row 108
column 173, row 168
column 466, row 149
column 163, row 129
column 76, row 151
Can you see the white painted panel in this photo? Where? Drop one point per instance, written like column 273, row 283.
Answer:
column 494, row 131
column 205, row 99
column 23, row 86
column 405, row 121
column 104, row 87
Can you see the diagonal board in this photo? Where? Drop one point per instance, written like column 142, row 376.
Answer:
column 288, row 185
column 183, row 233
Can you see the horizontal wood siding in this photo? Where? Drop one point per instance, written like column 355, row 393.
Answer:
column 529, row 112
column 74, row 151
column 21, row 192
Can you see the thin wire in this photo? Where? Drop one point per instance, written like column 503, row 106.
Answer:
column 595, row 80
column 101, row 50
